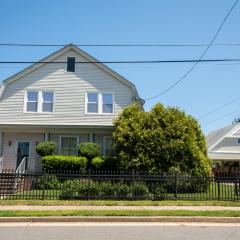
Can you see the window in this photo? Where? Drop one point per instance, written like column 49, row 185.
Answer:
column 68, row 145
column 92, row 102
column 238, row 140
column 107, row 103
column 32, row 101
column 47, row 104
column 108, row 145
column 71, row 64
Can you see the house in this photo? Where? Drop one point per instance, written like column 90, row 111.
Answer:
column 68, row 97
column 224, row 144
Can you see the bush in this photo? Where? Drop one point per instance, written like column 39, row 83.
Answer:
column 140, row 191
column 98, row 163
column 48, row 182
column 89, row 150
column 46, row 148
column 78, row 189
column 104, row 163
column 68, row 163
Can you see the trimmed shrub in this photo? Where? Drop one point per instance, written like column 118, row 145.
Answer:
column 68, row 163
column 46, row 148
column 104, row 163
column 98, row 163
column 89, row 150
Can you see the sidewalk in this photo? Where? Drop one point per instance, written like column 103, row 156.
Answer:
column 85, row 207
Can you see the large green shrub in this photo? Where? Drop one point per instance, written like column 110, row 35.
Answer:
column 98, row 163
column 48, row 182
column 68, row 163
column 158, row 140
column 89, row 150
column 104, row 163
column 46, row 148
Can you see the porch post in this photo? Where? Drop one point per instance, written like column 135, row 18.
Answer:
column 1, row 143
column 46, row 137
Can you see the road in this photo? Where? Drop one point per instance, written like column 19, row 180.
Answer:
column 123, row 231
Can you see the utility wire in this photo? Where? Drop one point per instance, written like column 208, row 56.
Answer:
column 134, row 61
column 219, row 108
column 223, row 116
column 200, row 58
column 115, row 45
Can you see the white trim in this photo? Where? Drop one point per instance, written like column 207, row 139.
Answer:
column 105, row 143
column 39, row 101
column 29, row 150
column 67, row 136
column 100, row 102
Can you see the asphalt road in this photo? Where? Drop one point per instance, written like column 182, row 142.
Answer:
column 118, row 231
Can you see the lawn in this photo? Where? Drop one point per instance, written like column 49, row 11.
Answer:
column 28, row 213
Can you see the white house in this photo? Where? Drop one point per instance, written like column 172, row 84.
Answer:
column 224, row 144
column 68, row 97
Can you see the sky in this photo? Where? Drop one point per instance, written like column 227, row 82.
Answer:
column 209, row 86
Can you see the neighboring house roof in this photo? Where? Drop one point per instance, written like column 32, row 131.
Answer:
column 213, row 137
column 59, row 53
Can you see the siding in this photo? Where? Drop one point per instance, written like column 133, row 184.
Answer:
column 69, row 89
column 10, row 152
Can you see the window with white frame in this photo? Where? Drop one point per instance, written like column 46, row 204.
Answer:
column 92, row 102
column 107, row 103
column 108, row 145
column 99, row 103
column 32, row 101
column 68, row 145
column 47, row 104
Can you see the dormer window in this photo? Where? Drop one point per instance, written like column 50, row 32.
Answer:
column 71, row 64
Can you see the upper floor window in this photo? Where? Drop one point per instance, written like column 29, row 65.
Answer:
column 47, row 104
column 107, row 103
column 32, row 101
column 99, row 103
column 39, row 101
column 71, row 64
column 92, row 102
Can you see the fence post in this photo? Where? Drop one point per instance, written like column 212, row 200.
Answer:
column 44, row 184
column 218, row 187
column 89, row 179
column 175, row 186
column 133, row 179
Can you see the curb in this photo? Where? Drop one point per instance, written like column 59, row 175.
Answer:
column 161, row 219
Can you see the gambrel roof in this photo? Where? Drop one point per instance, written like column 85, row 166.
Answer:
column 57, row 54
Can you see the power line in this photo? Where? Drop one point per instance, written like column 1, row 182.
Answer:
column 200, row 58
column 134, row 61
column 219, row 108
column 223, row 116
column 115, row 45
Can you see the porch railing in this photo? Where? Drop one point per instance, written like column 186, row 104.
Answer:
column 19, row 171
column 1, row 164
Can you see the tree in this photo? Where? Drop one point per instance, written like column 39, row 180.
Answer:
column 160, row 140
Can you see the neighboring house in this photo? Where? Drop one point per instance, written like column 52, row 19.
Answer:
column 224, row 144
column 64, row 101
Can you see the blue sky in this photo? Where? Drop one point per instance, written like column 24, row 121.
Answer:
column 136, row 22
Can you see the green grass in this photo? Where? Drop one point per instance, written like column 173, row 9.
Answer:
column 119, row 203
column 119, row 213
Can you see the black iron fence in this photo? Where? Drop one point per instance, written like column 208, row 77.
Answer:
column 118, row 185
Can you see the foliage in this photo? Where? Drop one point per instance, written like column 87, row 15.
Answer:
column 46, row 148
column 89, row 150
column 69, row 163
column 48, row 182
column 75, row 189
column 159, row 140
column 104, row 163
column 97, row 163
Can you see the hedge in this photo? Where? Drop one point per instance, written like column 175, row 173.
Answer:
column 68, row 163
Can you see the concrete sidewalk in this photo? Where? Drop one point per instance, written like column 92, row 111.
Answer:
column 85, row 207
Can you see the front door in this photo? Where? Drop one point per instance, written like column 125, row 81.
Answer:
column 22, row 151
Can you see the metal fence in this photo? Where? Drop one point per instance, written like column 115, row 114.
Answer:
column 112, row 185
